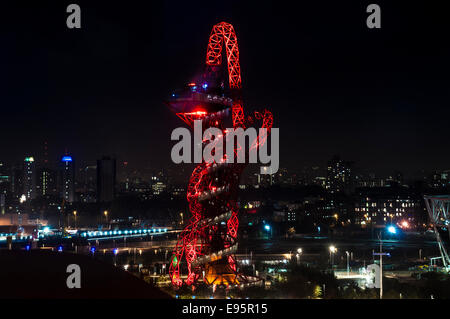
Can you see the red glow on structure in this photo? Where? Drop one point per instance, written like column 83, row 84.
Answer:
column 198, row 113
column 212, row 197
column 222, row 35
column 190, row 117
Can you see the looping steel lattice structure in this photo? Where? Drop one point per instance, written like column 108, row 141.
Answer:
column 206, row 247
column 438, row 207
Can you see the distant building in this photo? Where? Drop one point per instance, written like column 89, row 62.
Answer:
column 369, row 180
column 321, row 181
column 106, row 179
column 158, row 188
column 142, row 188
column 68, row 179
column 87, row 190
column 158, row 183
column 386, row 205
column 5, row 186
column 14, row 219
column 439, row 179
column 282, row 177
column 47, row 182
column 178, row 190
column 339, row 176
column 88, row 178
column 124, row 172
column 266, row 179
column 29, row 178
column 311, row 175
column 17, row 181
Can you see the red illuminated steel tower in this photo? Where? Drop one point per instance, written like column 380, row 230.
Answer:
column 206, row 247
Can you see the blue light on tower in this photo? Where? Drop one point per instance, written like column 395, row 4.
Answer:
column 267, row 227
column 67, row 159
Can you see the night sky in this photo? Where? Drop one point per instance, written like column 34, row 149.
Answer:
column 378, row 97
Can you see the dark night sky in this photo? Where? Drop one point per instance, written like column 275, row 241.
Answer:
column 377, row 97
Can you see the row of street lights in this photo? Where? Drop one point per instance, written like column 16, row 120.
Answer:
column 299, row 253
column 105, row 213
column 333, row 250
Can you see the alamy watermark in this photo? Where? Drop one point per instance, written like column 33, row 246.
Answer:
column 234, row 146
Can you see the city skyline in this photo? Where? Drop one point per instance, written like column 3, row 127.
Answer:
column 362, row 96
column 182, row 170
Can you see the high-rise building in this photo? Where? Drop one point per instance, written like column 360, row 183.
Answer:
column 29, row 178
column 87, row 183
column 17, row 181
column 88, row 178
column 47, row 182
column 68, row 179
column 106, row 179
column 5, row 186
column 339, row 176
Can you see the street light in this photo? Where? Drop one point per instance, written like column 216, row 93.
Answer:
column 299, row 251
column 268, row 229
column 115, row 251
column 348, row 265
column 333, row 250
column 106, row 215
column 391, row 229
column 75, row 217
